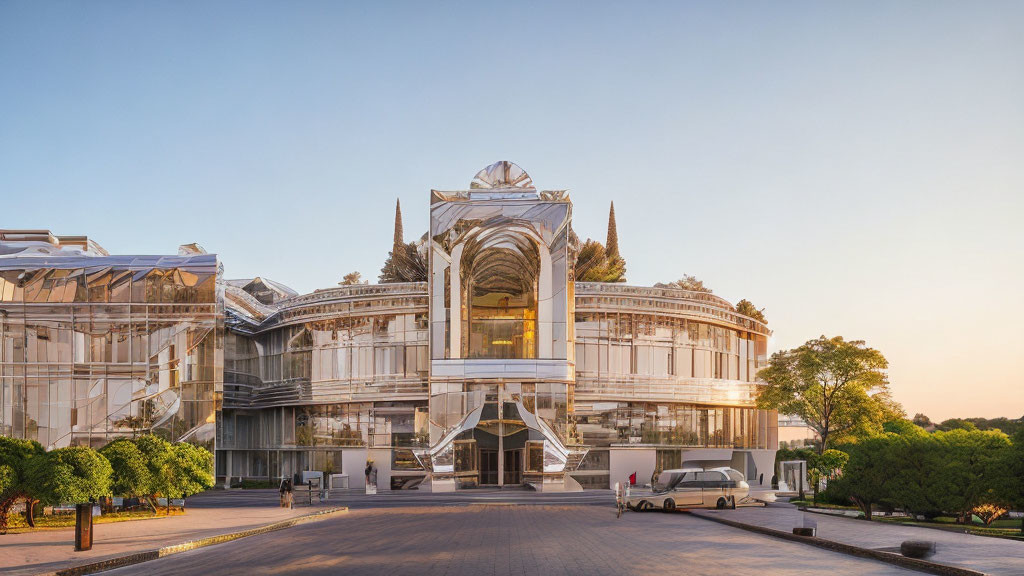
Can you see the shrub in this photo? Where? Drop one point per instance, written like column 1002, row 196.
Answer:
column 131, row 476
column 157, row 453
column 191, row 469
column 929, row 474
column 15, row 456
column 71, row 475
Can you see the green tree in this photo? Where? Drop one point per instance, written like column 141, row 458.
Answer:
column 1014, row 466
column 956, row 424
column 872, row 467
column 687, row 282
column 158, row 455
column 612, row 240
column 71, row 475
column 191, row 469
column 919, row 485
column 1005, row 425
column 838, row 387
column 130, row 474
column 747, row 308
column 15, row 457
column 901, row 426
column 975, row 469
column 922, row 420
column 827, row 465
column 594, row 264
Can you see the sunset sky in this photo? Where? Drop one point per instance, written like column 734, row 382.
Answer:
column 857, row 170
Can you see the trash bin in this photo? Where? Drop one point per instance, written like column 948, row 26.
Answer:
column 83, row 527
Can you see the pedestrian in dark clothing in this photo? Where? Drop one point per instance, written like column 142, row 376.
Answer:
column 286, row 493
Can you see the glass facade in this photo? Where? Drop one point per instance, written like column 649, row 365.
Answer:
column 96, row 347
column 497, row 369
column 604, row 424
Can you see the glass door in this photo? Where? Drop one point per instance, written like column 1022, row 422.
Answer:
column 488, row 467
column 513, row 467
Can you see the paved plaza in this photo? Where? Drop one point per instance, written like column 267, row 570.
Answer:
column 209, row 514
column 491, row 532
column 981, row 553
column 510, row 539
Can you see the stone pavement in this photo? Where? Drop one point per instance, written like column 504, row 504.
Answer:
column 505, row 539
column 208, row 514
column 981, row 553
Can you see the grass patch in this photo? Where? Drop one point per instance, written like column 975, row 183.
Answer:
column 17, row 524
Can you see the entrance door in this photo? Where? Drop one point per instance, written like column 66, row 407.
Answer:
column 513, row 467
column 488, row 467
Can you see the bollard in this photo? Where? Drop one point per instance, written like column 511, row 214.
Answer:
column 83, row 527
column 917, row 548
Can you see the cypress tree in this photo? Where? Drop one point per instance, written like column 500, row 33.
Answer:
column 611, row 246
column 399, row 234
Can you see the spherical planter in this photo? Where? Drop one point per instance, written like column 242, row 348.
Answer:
column 803, row 531
column 917, row 548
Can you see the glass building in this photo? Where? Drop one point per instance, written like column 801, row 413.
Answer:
column 479, row 360
column 94, row 346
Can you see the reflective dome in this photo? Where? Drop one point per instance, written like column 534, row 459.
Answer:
column 503, row 174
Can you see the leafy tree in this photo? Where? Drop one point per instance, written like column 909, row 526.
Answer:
column 922, row 420
column 71, row 475
column 836, row 386
column 919, row 485
column 828, row 465
column 158, row 454
column 175, row 470
column 130, row 474
column 15, row 484
column 191, row 469
column 594, row 264
column 687, row 282
column 956, row 424
column 901, row 426
column 1014, row 465
column 1005, row 425
column 975, row 469
column 869, row 472
column 747, row 308
column 351, row 279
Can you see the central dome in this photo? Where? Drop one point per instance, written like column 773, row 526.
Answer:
column 503, row 174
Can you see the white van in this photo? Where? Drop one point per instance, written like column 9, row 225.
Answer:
column 693, row 488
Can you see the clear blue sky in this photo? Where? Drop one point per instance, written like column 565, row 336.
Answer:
column 856, row 169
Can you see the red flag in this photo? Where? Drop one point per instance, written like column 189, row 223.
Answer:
column 632, row 479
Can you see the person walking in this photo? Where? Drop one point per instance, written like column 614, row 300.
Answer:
column 371, row 477
column 286, row 494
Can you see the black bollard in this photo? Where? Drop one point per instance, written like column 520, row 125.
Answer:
column 83, row 527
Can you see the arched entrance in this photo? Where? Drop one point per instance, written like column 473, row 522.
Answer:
column 500, row 271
